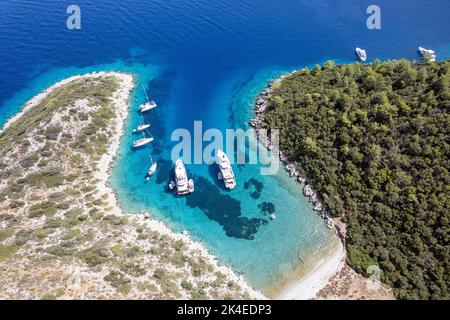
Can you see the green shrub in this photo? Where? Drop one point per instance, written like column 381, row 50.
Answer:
column 6, row 233
column 16, row 204
column 64, row 249
column 41, row 233
column 52, row 132
column 29, row 161
column 73, row 233
column 116, row 220
column 50, row 178
column 23, row 236
column 186, row 285
column 133, row 269
column 52, row 223
column 198, row 294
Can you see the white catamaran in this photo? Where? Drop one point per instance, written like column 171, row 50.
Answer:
column 149, row 105
column 226, row 171
column 362, row 55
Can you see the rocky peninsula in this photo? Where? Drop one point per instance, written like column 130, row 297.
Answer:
column 331, row 278
column 62, row 234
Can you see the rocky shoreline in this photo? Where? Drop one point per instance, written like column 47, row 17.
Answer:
column 260, row 108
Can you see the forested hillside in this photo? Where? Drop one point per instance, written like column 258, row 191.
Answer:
column 374, row 141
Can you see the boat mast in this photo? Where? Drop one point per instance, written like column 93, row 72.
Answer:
column 148, row 100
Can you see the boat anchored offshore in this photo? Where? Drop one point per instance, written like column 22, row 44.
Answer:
column 142, row 142
column 428, row 54
column 226, row 171
column 183, row 185
column 191, row 185
column 149, row 105
column 152, row 169
column 362, row 55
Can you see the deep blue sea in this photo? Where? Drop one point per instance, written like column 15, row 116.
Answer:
column 207, row 60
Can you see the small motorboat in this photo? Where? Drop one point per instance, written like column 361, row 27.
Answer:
column 149, row 105
column 152, row 169
column 191, row 185
column 362, row 55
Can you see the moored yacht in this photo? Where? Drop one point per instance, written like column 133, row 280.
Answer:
column 226, row 171
column 362, row 55
column 183, row 185
column 147, row 106
column 150, row 104
column 141, row 127
column 152, row 169
column 142, row 142
column 431, row 54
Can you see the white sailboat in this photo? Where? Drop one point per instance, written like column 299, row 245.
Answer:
column 183, row 185
column 150, row 104
column 142, row 142
column 362, row 55
column 226, row 171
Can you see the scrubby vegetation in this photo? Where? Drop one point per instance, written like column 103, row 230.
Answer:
column 374, row 141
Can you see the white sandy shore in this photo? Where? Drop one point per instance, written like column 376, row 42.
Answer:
column 307, row 287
